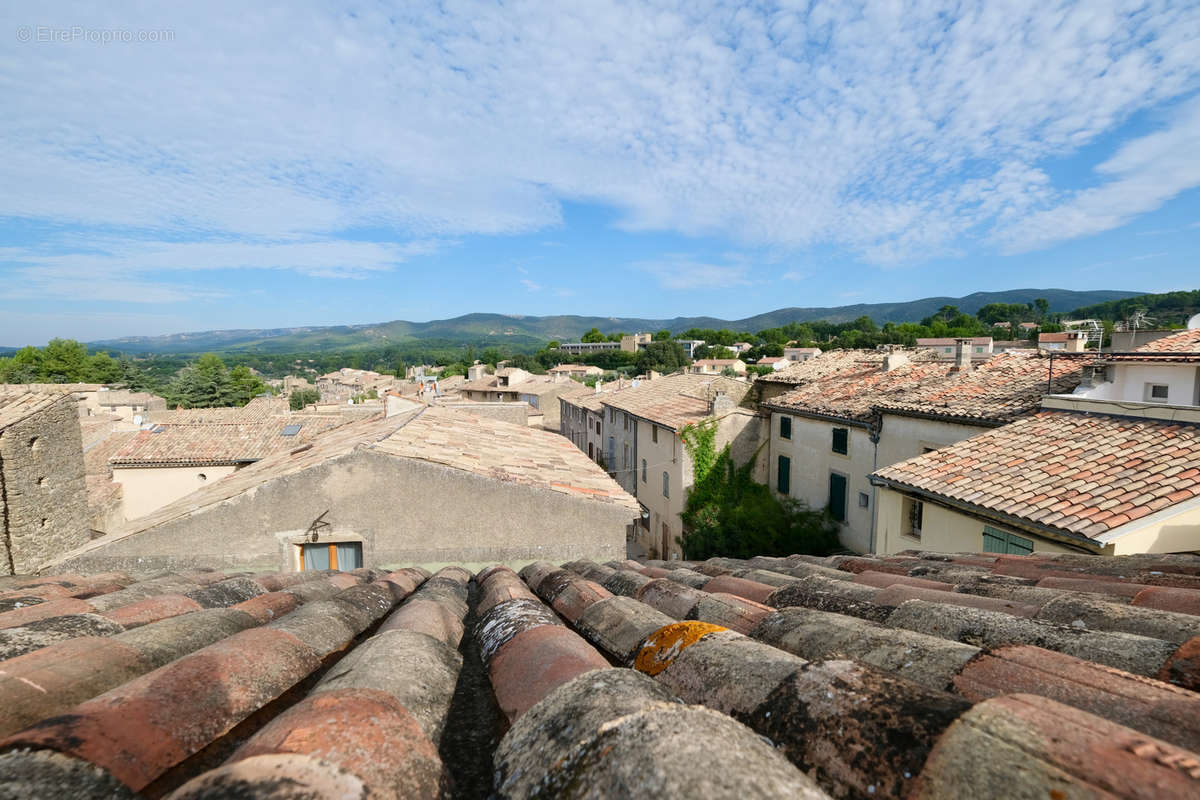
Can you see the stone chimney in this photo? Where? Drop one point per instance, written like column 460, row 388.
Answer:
column 962, row 354
column 721, row 404
column 893, row 359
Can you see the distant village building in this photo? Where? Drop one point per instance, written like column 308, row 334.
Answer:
column 689, row 346
column 715, row 366
column 1067, row 341
column 513, row 385
column 630, row 343
column 776, row 363
column 801, row 353
column 43, row 493
column 579, row 371
column 979, row 347
column 132, row 407
column 433, row 486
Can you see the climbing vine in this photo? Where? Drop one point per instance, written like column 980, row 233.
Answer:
column 728, row 513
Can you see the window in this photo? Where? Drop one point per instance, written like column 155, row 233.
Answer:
column 784, row 481
column 948, row 349
column 612, row 416
column 612, row 452
column 785, row 427
column 666, row 486
column 654, row 433
column 841, row 440
column 978, row 349
column 643, row 470
column 864, row 499
column 1156, row 393
column 913, row 513
column 290, row 430
column 837, row 496
column 333, row 555
column 998, row 541
column 625, row 457
column 597, row 427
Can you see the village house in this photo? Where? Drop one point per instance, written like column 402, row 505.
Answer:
column 432, row 486
column 801, row 353
column 345, row 384
column 579, row 371
column 645, row 452
column 133, row 408
column 689, row 346
column 629, row 343
column 945, row 348
column 1109, row 468
column 716, row 366
column 776, row 363
column 513, row 385
column 1067, row 341
column 168, row 461
column 862, row 410
column 43, row 493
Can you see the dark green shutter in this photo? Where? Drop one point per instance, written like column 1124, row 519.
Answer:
column 837, row 496
column 998, row 541
column 785, row 475
column 841, row 440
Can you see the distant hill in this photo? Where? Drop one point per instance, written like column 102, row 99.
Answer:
column 522, row 332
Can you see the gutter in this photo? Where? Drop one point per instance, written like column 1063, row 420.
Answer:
column 1078, row 540
column 1150, row 519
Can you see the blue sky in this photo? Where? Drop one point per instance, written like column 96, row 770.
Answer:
column 170, row 169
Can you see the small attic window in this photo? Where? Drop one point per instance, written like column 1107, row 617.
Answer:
column 290, row 430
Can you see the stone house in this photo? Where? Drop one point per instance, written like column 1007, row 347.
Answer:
column 433, row 486
column 43, row 492
column 513, row 385
column 133, row 408
column 579, row 371
column 645, row 452
column 801, row 353
column 981, row 347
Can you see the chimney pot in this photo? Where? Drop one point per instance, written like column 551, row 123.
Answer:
column 962, row 354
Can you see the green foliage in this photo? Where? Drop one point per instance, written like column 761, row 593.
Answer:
column 662, row 336
column 729, row 514
column 303, row 397
column 60, row 361
column 1167, row 309
column 527, row 363
column 661, row 356
column 207, row 383
column 594, row 335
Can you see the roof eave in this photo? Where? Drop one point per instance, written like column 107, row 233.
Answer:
column 1046, row 532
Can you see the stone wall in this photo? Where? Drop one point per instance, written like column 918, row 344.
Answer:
column 44, row 506
column 403, row 511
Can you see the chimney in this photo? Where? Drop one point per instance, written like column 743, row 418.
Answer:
column 721, row 404
column 599, row 385
column 893, row 359
column 962, row 354
column 1076, row 341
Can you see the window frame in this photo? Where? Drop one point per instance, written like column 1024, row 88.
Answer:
column 912, row 517
column 785, row 427
column 666, row 484
column 845, row 479
column 1148, row 392
column 845, row 436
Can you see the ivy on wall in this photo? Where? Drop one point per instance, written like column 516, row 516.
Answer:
column 730, row 514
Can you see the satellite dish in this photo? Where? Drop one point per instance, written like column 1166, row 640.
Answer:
column 137, row 419
column 1194, row 322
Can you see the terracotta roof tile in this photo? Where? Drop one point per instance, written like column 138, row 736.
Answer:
column 1054, row 446
column 675, row 400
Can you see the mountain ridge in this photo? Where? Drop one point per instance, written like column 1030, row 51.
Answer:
column 520, row 330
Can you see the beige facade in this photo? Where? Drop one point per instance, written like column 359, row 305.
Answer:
column 946, row 530
column 664, row 474
column 147, row 489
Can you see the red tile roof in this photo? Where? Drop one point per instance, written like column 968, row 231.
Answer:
column 1077, row 474
column 221, row 443
column 1186, row 341
column 675, row 400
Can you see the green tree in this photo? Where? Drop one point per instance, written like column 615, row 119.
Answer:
column 729, row 514
column 103, row 368
column 662, row 356
column 594, row 335
column 244, row 386
column 663, row 336
column 303, row 397
column 64, row 361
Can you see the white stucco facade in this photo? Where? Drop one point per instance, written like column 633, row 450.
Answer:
column 146, row 489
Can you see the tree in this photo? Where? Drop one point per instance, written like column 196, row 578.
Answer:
column 663, row 336
column 729, row 514
column 594, row 335
column 1042, row 305
column 103, row 368
column 303, row 397
column 662, row 356
column 64, row 360
column 244, row 386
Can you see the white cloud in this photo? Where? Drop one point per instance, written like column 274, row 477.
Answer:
column 895, row 132
column 531, row 285
column 682, row 272
column 797, row 275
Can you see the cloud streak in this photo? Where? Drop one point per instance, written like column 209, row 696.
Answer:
column 276, row 129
